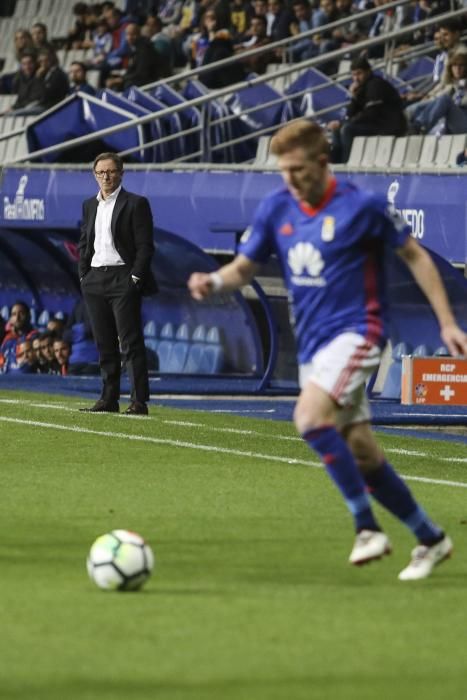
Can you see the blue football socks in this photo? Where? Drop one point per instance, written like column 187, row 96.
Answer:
column 386, row 486
column 342, row 468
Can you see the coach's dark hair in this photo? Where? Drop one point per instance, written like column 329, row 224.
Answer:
column 109, row 156
column 300, row 134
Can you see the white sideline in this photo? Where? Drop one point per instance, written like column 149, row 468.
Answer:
column 206, row 448
column 237, row 431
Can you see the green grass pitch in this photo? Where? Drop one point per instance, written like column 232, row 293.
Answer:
column 251, row 598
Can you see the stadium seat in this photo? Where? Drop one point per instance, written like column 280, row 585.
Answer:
column 369, row 152
column 442, row 351
column 43, row 319
column 422, row 350
column 5, row 313
column 384, row 150
column 392, row 383
column 165, row 346
column 414, row 148
column 150, row 335
column 356, row 152
column 398, row 152
column 177, row 360
column 428, row 152
column 262, row 150
column 443, row 151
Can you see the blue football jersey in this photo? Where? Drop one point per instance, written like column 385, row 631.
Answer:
column 331, row 259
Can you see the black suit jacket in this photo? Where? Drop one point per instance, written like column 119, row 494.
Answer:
column 132, row 230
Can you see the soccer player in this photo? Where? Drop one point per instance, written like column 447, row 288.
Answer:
column 331, row 239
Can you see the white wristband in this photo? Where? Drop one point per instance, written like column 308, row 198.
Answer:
column 216, row 281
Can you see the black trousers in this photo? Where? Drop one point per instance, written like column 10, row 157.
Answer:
column 114, row 305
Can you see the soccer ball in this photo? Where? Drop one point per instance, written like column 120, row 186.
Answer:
column 120, row 560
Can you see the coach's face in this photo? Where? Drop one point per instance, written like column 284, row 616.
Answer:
column 108, row 176
column 305, row 177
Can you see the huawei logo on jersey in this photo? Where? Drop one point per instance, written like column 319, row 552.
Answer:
column 286, row 229
column 306, row 263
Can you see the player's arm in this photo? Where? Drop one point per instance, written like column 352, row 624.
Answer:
column 230, row 277
column 429, row 280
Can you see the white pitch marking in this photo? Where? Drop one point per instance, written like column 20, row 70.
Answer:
column 238, row 431
column 206, row 448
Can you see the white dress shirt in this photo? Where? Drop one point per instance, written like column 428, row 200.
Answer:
column 105, row 252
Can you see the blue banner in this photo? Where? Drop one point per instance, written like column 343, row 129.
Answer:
column 211, row 209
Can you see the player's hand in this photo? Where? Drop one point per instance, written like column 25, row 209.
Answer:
column 200, row 285
column 455, row 340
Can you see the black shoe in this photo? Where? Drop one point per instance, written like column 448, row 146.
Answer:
column 102, row 406
column 137, row 408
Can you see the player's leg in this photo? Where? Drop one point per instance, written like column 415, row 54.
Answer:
column 387, row 487
column 328, row 385
column 315, row 418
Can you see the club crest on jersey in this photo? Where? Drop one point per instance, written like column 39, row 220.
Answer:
column 286, row 229
column 328, row 229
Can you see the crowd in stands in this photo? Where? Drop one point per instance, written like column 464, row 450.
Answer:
column 63, row 347
column 150, row 39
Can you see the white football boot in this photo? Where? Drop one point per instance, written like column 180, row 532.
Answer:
column 424, row 559
column 369, row 545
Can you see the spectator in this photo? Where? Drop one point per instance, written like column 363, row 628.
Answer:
column 239, row 18
column 56, row 326
column 258, row 37
column 47, row 361
column 26, row 362
column 2, row 329
column 279, row 20
column 144, row 65
column 221, row 46
column 375, row 109
column 62, row 352
column 39, row 37
column 23, row 43
column 54, row 79
column 162, row 44
column 140, row 9
column 449, row 39
column 101, row 43
column 324, row 14
column 451, row 104
column 78, row 34
column 78, row 79
column 302, row 22
column 27, row 86
column 200, row 41
column 18, row 329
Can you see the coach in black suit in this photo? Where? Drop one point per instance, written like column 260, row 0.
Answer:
column 116, row 247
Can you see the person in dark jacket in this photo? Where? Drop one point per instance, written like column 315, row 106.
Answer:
column 144, row 65
column 375, row 109
column 54, row 79
column 27, row 86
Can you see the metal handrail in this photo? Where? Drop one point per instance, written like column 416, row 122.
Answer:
column 215, row 94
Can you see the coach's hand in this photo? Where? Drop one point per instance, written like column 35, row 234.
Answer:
column 455, row 339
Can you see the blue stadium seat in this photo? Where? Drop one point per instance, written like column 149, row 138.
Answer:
column 442, row 351
column 392, row 383
column 44, row 318
column 5, row 312
column 150, row 336
column 423, row 351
